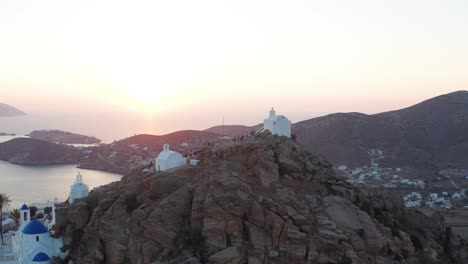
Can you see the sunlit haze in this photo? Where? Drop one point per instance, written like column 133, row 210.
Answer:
column 186, row 64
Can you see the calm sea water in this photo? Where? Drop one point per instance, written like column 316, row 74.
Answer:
column 36, row 184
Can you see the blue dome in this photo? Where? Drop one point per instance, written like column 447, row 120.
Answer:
column 34, row 228
column 24, row 207
column 41, row 257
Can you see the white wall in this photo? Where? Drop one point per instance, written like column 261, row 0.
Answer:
column 280, row 126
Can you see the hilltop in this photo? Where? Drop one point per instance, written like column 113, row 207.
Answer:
column 8, row 110
column 263, row 200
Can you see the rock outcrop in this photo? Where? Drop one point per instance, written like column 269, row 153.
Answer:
column 259, row 201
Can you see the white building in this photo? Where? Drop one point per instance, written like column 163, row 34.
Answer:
column 168, row 159
column 277, row 124
column 32, row 243
column 78, row 189
column 194, row 162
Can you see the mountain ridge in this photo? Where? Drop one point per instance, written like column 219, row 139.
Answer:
column 433, row 130
column 9, row 111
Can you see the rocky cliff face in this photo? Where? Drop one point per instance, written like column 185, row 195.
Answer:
column 261, row 201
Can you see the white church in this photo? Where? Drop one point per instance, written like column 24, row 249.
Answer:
column 78, row 189
column 33, row 243
column 277, row 124
column 169, row 159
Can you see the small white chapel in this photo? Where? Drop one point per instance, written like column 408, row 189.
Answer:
column 169, row 159
column 277, row 124
column 78, row 189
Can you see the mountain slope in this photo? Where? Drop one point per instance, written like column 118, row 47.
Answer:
column 233, row 130
column 7, row 110
column 174, row 139
column 259, row 201
column 429, row 135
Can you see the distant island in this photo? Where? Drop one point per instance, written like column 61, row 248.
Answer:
column 7, row 134
column 58, row 136
column 8, row 111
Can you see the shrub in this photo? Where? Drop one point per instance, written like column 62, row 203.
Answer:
column 198, row 242
column 194, row 239
column 57, row 260
column 131, row 202
column 48, row 210
column 33, row 210
column 165, row 257
column 92, row 200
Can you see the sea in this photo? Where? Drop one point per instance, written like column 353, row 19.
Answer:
column 40, row 184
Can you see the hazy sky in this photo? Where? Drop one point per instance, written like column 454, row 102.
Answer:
column 180, row 60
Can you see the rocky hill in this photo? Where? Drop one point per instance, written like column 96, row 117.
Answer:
column 429, row 136
column 28, row 151
column 7, row 110
column 57, row 136
column 264, row 200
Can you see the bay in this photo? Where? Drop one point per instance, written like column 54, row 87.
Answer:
column 38, row 184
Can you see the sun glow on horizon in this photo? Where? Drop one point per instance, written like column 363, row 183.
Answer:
column 159, row 55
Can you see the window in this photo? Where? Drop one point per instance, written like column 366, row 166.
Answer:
column 37, row 238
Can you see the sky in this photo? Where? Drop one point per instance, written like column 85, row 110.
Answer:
column 188, row 64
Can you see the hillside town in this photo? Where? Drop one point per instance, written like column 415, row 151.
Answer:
column 415, row 193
